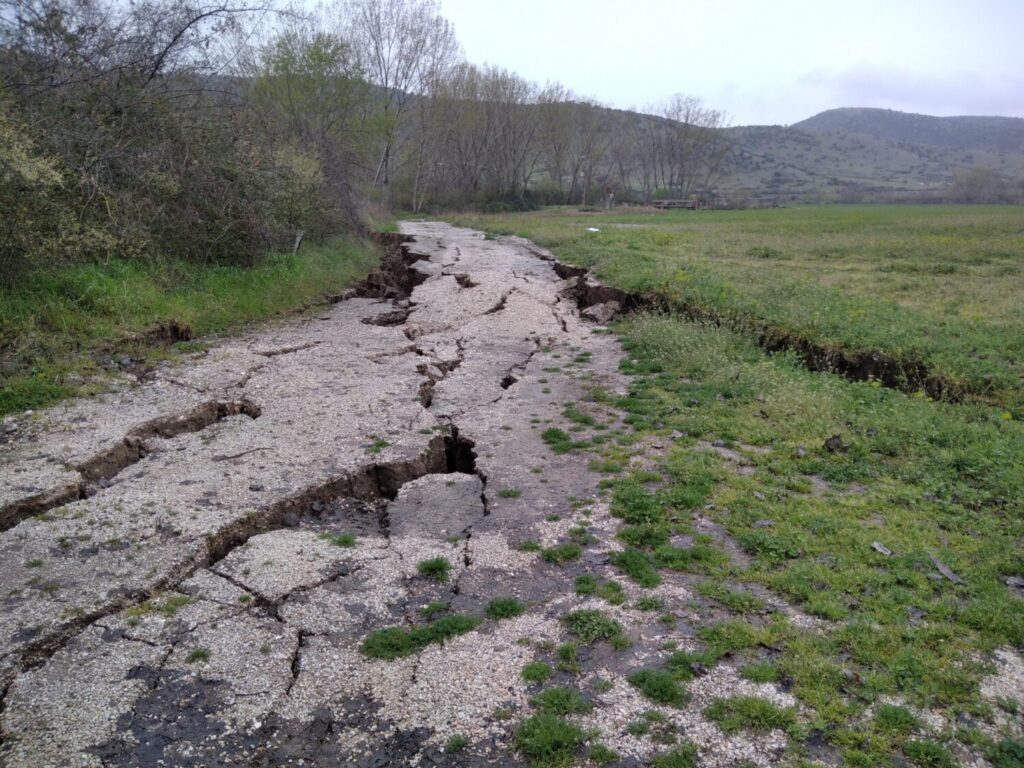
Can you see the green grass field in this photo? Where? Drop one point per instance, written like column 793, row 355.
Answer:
column 940, row 286
column 57, row 325
column 856, row 535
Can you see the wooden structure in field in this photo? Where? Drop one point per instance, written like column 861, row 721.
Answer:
column 665, row 205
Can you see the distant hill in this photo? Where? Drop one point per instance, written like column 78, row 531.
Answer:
column 869, row 154
column 990, row 134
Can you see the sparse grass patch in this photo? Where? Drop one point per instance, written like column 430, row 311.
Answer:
column 376, row 445
column 649, row 603
column 638, row 566
column 197, row 654
column 740, row 602
column 749, row 713
column 509, row 493
column 396, row 642
column 561, row 441
column 167, row 607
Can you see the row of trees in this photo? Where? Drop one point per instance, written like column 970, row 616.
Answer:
column 211, row 131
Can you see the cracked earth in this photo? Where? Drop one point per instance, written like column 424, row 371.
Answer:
column 191, row 564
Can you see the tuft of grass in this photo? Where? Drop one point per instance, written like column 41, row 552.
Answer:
column 685, row 665
column 197, row 654
column 561, row 701
column 659, row 686
column 1008, row 753
column 396, row 642
column 638, row 566
column 457, row 743
column 569, row 658
column 894, row 719
column 536, row 672
column 928, row 754
column 586, row 585
column 601, row 754
column 609, row 590
column 549, row 741
column 684, row 756
column 760, row 672
column 750, row 713
column 649, row 603
column 592, row 626
column 562, row 553
column 509, row 493
column 433, row 609
column 504, row 608
column 168, row 607
column 739, row 602
column 561, row 441
column 436, row 568
column 346, row 540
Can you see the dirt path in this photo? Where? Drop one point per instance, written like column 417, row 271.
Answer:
column 180, row 581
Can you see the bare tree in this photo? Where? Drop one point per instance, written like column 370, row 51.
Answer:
column 402, row 45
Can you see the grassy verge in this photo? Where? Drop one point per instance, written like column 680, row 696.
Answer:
column 934, row 287
column 59, row 327
column 899, row 538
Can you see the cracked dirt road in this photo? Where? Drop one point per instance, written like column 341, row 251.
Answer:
column 175, row 591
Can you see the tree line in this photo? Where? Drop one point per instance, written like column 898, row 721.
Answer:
column 210, row 131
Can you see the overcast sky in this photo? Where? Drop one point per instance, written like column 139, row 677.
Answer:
column 761, row 61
